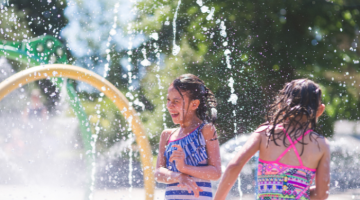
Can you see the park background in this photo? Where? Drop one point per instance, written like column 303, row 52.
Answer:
column 244, row 51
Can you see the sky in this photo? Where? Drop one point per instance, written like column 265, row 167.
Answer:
column 92, row 26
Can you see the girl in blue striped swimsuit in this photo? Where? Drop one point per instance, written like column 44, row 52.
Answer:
column 189, row 156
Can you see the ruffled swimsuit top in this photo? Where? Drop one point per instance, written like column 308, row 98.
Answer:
column 286, row 182
column 194, row 146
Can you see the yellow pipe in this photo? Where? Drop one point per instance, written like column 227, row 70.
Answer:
column 60, row 70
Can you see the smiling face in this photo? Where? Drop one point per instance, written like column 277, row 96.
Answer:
column 180, row 107
column 176, row 104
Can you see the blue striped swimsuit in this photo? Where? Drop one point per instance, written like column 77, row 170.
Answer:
column 195, row 154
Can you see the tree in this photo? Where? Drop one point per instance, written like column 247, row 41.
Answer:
column 24, row 20
column 260, row 45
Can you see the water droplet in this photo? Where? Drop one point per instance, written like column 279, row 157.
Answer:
column 154, row 36
column 175, row 50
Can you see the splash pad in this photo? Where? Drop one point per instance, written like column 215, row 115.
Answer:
column 77, row 73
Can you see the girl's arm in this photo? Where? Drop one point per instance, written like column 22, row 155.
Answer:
column 210, row 172
column 236, row 164
column 162, row 174
column 322, row 181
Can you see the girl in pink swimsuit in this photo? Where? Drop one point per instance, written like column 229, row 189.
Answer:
column 292, row 152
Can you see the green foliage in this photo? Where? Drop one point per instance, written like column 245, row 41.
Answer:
column 108, row 118
column 22, row 21
column 25, row 19
column 270, row 43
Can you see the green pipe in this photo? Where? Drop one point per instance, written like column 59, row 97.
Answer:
column 85, row 133
column 18, row 55
column 81, row 115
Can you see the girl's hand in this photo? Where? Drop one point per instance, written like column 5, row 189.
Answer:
column 179, row 157
column 185, row 181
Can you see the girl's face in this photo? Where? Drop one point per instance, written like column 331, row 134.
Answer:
column 177, row 106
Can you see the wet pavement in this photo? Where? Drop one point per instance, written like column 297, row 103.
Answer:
column 15, row 192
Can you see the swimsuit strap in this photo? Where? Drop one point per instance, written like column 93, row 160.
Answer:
column 292, row 145
column 167, row 141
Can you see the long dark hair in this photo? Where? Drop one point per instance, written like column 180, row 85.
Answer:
column 196, row 89
column 298, row 100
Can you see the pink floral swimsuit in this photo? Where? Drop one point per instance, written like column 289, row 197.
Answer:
column 284, row 182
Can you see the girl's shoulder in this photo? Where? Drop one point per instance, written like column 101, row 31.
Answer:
column 209, row 127
column 208, row 130
column 320, row 140
column 165, row 134
column 264, row 130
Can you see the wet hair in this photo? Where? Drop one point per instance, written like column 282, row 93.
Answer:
column 196, row 89
column 298, row 100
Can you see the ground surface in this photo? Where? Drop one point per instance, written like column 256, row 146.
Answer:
column 61, row 193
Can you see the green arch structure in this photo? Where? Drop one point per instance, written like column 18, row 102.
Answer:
column 48, row 49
